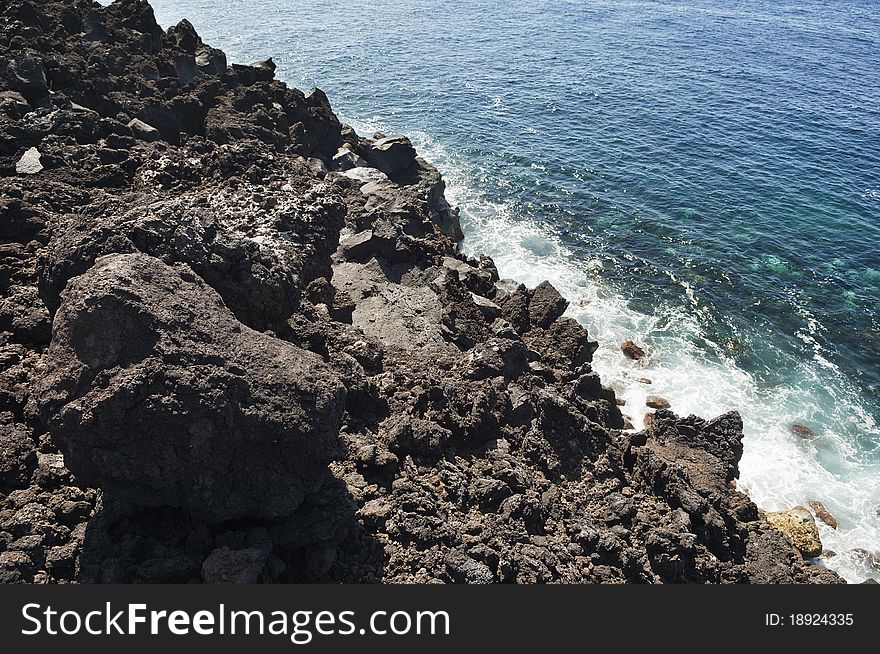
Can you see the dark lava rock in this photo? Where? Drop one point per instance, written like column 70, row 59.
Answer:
column 546, row 305
column 159, row 395
column 226, row 566
column 803, row 431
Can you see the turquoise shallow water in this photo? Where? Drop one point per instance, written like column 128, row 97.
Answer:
column 703, row 176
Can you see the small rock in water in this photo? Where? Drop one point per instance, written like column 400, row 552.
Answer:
column 828, row 554
column 657, row 402
column 632, row 351
column 802, row 430
column 800, row 528
column 620, row 401
column 29, row 164
column 822, row 513
column 644, row 380
column 648, row 419
column 627, row 423
column 870, row 581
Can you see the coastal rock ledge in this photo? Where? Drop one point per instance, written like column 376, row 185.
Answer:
column 238, row 342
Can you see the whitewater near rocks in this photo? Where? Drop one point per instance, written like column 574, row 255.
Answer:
column 239, row 342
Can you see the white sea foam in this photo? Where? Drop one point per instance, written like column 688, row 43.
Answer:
column 779, row 469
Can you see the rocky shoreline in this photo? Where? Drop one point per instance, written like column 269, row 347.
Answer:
column 238, row 342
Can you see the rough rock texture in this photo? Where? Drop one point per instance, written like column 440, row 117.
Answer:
column 238, row 343
column 799, row 527
column 162, row 397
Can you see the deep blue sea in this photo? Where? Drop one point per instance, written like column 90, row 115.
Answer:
column 702, row 176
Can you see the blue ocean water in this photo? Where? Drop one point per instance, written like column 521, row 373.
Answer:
column 702, row 176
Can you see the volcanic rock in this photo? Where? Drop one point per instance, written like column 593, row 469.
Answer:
column 250, row 424
column 29, row 164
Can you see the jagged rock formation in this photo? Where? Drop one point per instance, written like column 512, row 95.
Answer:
column 238, row 343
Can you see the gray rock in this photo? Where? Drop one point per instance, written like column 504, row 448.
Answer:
column 16, row 568
column 366, row 175
column 186, row 69
column 464, row 569
column 143, row 131
column 489, row 309
column 29, row 164
column 346, row 159
column 17, row 456
column 210, row 61
column 360, row 246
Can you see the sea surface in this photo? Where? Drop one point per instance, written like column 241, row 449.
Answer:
column 702, row 176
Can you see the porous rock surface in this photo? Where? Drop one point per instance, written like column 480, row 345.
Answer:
column 238, row 343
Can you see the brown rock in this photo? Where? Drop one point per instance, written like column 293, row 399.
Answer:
column 657, row 402
column 822, row 513
column 632, row 351
column 799, row 527
column 802, row 430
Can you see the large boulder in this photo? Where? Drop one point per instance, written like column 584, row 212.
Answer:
column 392, row 155
column 159, row 395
